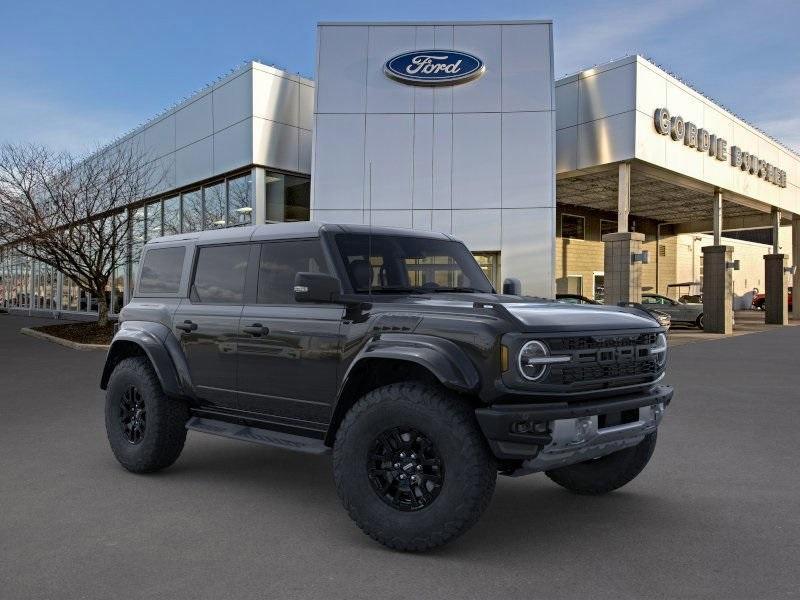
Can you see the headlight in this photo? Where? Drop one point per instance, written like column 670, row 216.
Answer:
column 534, row 359
column 660, row 349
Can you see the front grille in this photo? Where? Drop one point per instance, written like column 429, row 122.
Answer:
column 604, row 361
column 597, row 342
column 570, row 375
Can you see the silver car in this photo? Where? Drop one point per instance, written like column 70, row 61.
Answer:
column 680, row 312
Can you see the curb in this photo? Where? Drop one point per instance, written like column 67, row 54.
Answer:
column 61, row 341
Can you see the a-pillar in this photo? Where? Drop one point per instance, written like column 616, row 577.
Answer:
column 717, row 288
column 796, row 263
column 623, row 274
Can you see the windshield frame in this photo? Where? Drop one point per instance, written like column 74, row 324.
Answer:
column 345, row 274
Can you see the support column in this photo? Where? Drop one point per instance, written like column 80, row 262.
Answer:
column 776, row 289
column 717, row 218
column 259, row 195
column 623, row 197
column 776, row 231
column 796, row 263
column 717, row 289
column 623, row 276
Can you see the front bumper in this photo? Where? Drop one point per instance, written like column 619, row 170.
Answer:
column 552, row 435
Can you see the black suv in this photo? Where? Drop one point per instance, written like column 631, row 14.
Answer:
column 391, row 349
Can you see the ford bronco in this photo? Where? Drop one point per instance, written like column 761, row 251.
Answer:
column 390, row 349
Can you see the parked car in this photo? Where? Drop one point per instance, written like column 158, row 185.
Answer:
column 662, row 318
column 390, row 349
column 680, row 312
column 759, row 300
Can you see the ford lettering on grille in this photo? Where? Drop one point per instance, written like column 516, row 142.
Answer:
column 434, row 67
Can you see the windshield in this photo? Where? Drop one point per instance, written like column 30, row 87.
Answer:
column 398, row 264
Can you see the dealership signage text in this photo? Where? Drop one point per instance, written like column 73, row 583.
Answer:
column 704, row 141
column 434, row 67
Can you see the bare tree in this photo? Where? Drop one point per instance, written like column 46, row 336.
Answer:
column 66, row 212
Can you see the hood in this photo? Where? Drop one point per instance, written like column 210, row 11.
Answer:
column 534, row 313
column 546, row 316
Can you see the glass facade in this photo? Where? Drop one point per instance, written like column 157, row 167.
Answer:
column 228, row 202
column 288, row 197
column 215, row 206
column 172, row 215
column 192, row 208
column 240, row 206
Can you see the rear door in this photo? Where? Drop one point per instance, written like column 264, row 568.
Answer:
column 289, row 352
column 207, row 323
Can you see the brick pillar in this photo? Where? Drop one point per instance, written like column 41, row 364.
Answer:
column 776, row 290
column 623, row 277
column 717, row 289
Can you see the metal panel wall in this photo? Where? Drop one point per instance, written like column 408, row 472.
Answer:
column 256, row 115
column 476, row 159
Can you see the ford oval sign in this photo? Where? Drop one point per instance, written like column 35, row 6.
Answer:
column 434, row 67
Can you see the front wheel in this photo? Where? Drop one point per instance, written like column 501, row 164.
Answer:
column 411, row 466
column 146, row 430
column 700, row 322
column 607, row 473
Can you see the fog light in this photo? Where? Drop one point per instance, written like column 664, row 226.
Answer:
column 522, row 427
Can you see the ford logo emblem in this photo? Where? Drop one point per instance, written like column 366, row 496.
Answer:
column 434, row 67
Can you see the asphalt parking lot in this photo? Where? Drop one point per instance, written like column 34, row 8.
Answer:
column 715, row 515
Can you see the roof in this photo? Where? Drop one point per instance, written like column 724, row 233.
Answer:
column 288, row 230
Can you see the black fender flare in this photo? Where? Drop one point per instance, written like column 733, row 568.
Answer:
column 162, row 349
column 441, row 357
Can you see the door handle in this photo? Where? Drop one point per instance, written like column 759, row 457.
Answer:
column 256, row 329
column 186, row 326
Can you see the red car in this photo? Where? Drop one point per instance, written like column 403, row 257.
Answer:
column 760, row 299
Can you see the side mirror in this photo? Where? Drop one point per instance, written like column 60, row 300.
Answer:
column 316, row 287
column 512, row 286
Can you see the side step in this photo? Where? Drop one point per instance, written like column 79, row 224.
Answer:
column 267, row 437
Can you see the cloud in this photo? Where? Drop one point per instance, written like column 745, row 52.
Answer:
column 33, row 116
column 612, row 30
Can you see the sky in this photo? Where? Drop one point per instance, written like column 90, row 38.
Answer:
column 74, row 75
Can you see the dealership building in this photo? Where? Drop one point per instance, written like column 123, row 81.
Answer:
column 607, row 183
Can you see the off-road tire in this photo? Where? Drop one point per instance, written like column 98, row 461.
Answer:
column 165, row 426
column 607, row 473
column 470, row 471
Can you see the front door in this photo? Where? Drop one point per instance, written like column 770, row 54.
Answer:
column 289, row 352
column 207, row 324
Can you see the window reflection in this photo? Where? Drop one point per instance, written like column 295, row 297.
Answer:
column 215, row 206
column 172, row 215
column 239, row 205
column 192, row 211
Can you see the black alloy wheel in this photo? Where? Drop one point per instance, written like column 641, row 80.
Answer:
column 132, row 415
column 405, row 469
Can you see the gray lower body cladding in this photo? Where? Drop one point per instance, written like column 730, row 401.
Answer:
column 551, row 435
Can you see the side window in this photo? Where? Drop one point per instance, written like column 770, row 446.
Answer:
column 280, row 262
column 650, row 300
column 220, row 273
column 161, row 271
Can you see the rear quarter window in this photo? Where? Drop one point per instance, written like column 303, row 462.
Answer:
column 161, row 270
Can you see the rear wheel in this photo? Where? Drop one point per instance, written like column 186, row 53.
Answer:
column 607, row 473
column 700, row 322
column 146, row 430
column 411, row 466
